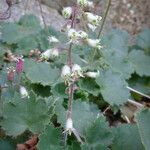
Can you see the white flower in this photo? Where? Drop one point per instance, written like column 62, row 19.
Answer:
column 67, row 12
column 92, row 74
column 66, row 71
column 69, row 129
column 46, row 55
column 94, row 43
column 73, row 35
column 23, row 92
column 90, row 4
column 83, row 35
column 77, row 71
column 82, row 3
column 55, row 52
column 53, row 39
column 93, row 19
column 69, row 125
column 50, row 53
column 92, row 27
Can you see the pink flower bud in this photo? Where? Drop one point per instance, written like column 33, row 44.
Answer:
column 19, row 65
column 10, row 74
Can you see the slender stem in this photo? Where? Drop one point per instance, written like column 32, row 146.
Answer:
column 127, row 119
column 104, row 18
column 71, row 86
column 138, row 92
column 135, row 103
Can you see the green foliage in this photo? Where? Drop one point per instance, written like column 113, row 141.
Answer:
column 46, row 109
column 90, row 86
column 111, row 83
column 42, row 73
column 140, row 62
column 50, row 139
column 98, row 140
column 143, row 122
column 25, row 114
column 83, row 114
column 143, row 40
column 127, row 138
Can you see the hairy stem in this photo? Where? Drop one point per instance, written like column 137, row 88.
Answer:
column 104, row 18
column 71, row 86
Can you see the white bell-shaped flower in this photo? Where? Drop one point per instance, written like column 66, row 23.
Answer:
column 66, row 71
column 94, row 43
column 92, row 74
column 93, row 19
column 92, row 27
column 53, row 39
column 69, row 125
column 82, row 34
column 23, row 92
column 46, row 55
column 90, row 4
column 77, row 71
column 73, row 35
column 82, row 3
column 67, row 12
column 55, row 52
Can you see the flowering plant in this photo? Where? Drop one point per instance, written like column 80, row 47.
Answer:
column 75, row 89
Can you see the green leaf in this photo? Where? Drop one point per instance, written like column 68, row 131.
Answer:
column 116, row 39
column 23, row 114
column 26, row 44
column 59, row 90
column 73, row 146
column 140, row 62
column 143, row 122
column 50, row 139
column 98, row 135
column 6, row 144
column 119, row 62
column 127, row 138
column 11, row 33
column 42, row 73
column 30, row 21
column 113, row 88
column 143, row 39
column 89, row 85
column 87, row 112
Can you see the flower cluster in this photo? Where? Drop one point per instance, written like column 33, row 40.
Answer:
column 51, row 53
column 73, row 74
column 92, row 20
column 76, row 72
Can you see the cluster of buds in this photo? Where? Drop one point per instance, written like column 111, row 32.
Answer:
column 69, row 74
column 81, row 36
column 34, row 52
column 50, row 53
column 10, row 74
column 19, row 65
column 23, row 92
column 85, row 3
